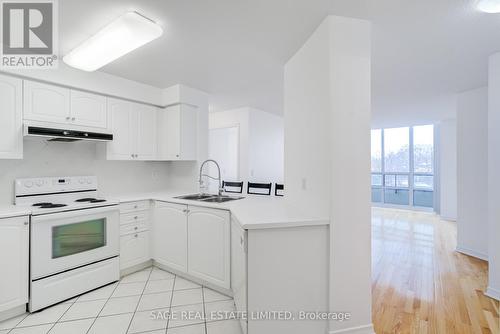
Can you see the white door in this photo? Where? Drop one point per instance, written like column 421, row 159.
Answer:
column 170, row 235
column 209, row 245
column 14, row 247
column 134, row 249
column 120, row 123
column 88, row 109
column 223, row 147
column 11, row 118
column 146, row 132
column 46, row 103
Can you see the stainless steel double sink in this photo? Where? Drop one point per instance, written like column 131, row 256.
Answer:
column 208, row 198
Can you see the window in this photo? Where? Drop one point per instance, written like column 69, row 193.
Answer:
column 377, row 151
column 397, row 150
column 402, row 164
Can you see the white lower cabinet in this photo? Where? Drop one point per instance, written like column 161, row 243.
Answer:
column 209, row 245
column 134, row 249
column 193, row 240
column 170, row 235
column 14, row 257
column 134, row 234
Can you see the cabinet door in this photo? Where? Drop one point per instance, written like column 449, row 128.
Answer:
column 146, row 132
column 208, row 245
column 239, row 268
column 134, row 249
column 14, row 248
column 46, row 103
column 120, row 120
column 169, row 133
column 170, row 235
column 11, row 118
column 88, row 109
column 189, row 133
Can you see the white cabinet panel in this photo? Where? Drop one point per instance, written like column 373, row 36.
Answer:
column 14, row 247
column 239, row 268
column 170, row 235
column 208, row 245
column 134, row 249
column 120, row 123
column 46, row 103
column 146, row 132
column 88, row 109
column 177, row 133
column 11, row 118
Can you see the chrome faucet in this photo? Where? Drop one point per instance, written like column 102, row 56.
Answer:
column 211, row 177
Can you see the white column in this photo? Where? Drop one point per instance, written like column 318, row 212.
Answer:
column 494, row 176
column 327, row 155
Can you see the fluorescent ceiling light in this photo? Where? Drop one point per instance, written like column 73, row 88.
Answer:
column 127, row 33
column 489, row 6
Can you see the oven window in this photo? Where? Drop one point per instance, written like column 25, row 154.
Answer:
column 78, row 237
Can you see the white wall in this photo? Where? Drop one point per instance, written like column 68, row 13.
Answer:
column 80, row 158
column 261, row 142
column 472, row 172
column 448, row 168
column 327, row 155
column 494, row 176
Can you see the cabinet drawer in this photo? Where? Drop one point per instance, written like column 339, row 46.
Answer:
column 134, row 206
column 128, row 218
column 134, row 227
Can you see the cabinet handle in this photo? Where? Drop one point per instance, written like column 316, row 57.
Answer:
column 73, row 118
column 132, row 155
column 68, row 118
column 176, row 155
column 135, row 206
column 136, row 217
column 26, row 223
column 135, row 236
column 136, row 228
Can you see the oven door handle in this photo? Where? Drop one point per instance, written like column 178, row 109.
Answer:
column 74, row 213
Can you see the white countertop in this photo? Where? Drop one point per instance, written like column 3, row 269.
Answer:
column 10, row 211
column 252, row 212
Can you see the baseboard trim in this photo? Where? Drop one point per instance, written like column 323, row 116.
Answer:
column 493, row 293
column 367, row 329
column 472, row 253
column 13, row 312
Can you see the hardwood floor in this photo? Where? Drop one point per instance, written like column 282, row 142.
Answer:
column 420, row 284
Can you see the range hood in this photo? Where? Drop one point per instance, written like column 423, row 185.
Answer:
column 63, row 135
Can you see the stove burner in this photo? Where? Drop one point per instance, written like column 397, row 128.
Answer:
column 90, row 200
column 50, row 205
column 42, row 204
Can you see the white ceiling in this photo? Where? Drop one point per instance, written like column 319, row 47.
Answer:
column 423, row 50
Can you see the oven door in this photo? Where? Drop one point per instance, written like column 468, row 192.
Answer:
column 67, row 240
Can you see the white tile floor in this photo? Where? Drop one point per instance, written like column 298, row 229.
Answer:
column 129, row 306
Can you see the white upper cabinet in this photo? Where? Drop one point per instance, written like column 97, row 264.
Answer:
column 146, row 131
column 177, row 133
column 134, row 131
column 11, row 118
column 209, row 245
column 46, row 103
column 121, row 125
column 53, row 104
column 88, row 109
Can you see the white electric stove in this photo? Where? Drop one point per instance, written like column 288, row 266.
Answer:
column 74, row 237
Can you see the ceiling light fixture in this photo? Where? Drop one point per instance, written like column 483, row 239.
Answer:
column 125, row 34
column 489, row 6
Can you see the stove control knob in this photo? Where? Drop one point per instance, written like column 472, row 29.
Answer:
column 28, row 184
column 39, row 183
column 82, row 181
column 89, row 181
